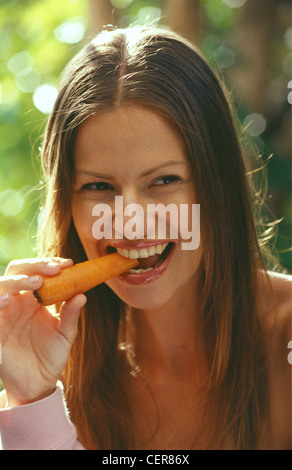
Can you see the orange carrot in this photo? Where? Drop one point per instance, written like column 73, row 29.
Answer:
column 82, row 277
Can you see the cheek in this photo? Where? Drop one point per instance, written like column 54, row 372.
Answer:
column 188, row 261
column 83, row 220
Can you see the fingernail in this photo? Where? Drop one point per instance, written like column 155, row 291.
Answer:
column 34, row 279
column 4, row 298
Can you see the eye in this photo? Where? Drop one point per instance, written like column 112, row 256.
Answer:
column 163, row 180
column 97, row 186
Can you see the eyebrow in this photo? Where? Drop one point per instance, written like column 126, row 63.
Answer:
column 164, row 165
column 145, row 173
column 92, row 173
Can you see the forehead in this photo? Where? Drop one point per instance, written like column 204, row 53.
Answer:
column 130, row 135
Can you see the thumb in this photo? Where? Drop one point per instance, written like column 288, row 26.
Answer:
column 69, row 315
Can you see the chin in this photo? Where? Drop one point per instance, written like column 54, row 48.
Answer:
column 147, row 297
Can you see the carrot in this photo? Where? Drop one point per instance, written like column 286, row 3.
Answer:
column 82, row 277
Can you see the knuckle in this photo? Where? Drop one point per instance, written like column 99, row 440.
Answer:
column 12, row 265
column 14, row 284
column 17, row 266
column 24, row 266
column 4, row 300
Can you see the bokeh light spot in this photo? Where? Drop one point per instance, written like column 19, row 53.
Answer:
column 234, row 3
column 28, row 80
column 20, row 62
column 11, row 202
column 224, row 57
column 254, row 124
column 121, row 3
column 71, row 31
column 149, row 15
column 44, row 98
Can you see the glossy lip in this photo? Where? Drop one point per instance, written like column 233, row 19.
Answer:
column 146, row 278
column 136, row 245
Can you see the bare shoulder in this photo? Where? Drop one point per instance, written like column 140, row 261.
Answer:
column 276, row 303
column 282, row 286
column 275, row 299
column 3, row 399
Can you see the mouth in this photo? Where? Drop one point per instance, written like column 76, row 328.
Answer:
column 150, row 257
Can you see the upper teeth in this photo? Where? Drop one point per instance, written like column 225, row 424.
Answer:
column 143, row 252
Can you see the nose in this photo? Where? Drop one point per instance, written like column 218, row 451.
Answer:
column 129, row 215
column 131, row 195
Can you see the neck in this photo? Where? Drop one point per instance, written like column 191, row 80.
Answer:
column 167, row 339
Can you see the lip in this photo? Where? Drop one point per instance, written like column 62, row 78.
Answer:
column 136, row 244
column 146, row 278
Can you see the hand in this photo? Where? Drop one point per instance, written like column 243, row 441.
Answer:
column 35, row 343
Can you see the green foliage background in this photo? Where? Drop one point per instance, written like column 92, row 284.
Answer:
column 32, row 26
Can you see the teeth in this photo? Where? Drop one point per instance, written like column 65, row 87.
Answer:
column 143, row 252
column 140, row 271
column 133, row 254
column 152, row 250
column 160, row 249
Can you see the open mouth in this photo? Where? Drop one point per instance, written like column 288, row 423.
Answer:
column 150, row 257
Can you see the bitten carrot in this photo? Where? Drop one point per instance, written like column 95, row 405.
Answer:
column 82, row 277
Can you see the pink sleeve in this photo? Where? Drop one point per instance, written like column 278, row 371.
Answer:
column 42, row 425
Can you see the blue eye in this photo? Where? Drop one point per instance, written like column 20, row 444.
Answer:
column 97, row 186
column 163, row 180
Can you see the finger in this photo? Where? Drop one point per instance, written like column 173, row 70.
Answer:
column 46, row 266
column 4, row 300
column 14, row 284
column 69, row 315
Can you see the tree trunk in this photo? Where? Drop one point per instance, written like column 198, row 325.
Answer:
column 253, row 34
column 101, row 13
column 182, row 17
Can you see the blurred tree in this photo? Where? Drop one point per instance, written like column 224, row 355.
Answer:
column 101, row 13
column 253, row 35
column 182, row 17
column 36, row 40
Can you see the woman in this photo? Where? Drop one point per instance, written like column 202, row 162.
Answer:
column 191, row 351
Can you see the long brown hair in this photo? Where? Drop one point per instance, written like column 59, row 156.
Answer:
column 161, row 70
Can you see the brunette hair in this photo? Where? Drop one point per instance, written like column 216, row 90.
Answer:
column 159, row 69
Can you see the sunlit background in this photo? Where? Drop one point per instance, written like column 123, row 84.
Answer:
column 247, row 41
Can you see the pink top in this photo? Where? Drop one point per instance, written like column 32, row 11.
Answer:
column 42, row 425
